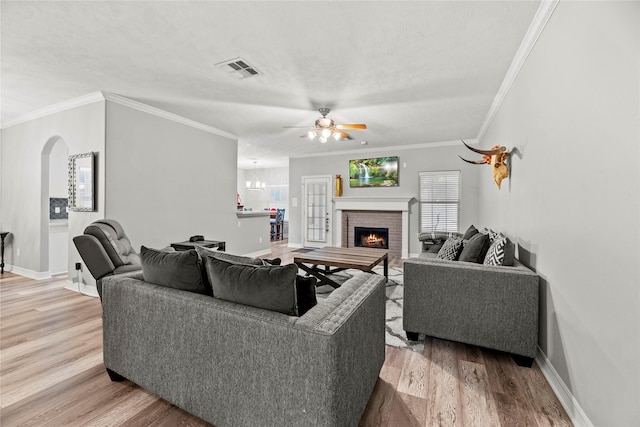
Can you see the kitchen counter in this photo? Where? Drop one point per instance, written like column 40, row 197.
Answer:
column 251, row 214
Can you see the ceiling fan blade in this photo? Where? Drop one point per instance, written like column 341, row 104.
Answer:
column 352, row 126
column 344, row 135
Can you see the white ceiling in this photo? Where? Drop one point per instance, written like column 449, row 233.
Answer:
column 415, row 72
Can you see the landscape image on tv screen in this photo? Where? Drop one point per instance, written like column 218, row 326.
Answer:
column 378, row 172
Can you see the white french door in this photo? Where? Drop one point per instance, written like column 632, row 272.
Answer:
column 317, row 212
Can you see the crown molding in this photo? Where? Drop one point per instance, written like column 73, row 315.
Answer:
column 389, row 148
column 127, row 102
column 118, row 99
column 55, row 108
column 544, row 12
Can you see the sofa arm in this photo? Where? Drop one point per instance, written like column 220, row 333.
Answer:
column 489, row 306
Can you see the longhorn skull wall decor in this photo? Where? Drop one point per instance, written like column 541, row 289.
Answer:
column 496, row 157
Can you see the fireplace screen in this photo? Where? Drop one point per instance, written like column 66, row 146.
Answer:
column 368, row 237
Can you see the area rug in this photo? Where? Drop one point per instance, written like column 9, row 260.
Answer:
column 394, row 334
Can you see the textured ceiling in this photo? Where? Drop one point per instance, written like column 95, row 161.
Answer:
column 414, row 72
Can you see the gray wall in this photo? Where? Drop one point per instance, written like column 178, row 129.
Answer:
column 167, row 181
column 572, row 203
column 25, row 181
column 416, row 160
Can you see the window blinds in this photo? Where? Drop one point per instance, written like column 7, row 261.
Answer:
column 439, row 201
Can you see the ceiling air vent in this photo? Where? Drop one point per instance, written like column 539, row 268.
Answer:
column 238, row 68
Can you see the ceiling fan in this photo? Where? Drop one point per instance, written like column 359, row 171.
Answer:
column 326, row 128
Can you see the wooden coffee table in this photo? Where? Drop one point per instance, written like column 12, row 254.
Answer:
column 341, row 258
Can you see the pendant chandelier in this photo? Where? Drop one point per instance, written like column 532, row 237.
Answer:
column 254, row 184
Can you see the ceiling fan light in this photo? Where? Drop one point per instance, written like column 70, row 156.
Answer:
column 312, row 134
column 326, row 133
column 322, row 139
column 324, row 122
column 337, row 136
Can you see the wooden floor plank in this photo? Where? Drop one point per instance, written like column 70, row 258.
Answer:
column 414, row 376
column 51, row 373
column 443, row 399
column 478, row 406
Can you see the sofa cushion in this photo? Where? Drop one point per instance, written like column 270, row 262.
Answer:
column 451, row 249
column 179, row 270
column 475, row 249
column 305, row 294
column 269, row 287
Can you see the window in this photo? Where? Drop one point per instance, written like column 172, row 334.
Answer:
column 278, row 198
column 439, row 201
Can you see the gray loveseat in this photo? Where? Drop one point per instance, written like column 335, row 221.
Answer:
column 236, row 365
column 485, row 305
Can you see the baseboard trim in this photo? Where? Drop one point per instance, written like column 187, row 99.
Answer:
column 88, row 290
column 37, row 275
column 566, row 398
column 258, row 253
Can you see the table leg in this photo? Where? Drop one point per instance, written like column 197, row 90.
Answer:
column 386, row 267
column 322, row 279
column 2, row 235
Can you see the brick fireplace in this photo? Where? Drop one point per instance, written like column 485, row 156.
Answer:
column 390, row 220
column 389, row 213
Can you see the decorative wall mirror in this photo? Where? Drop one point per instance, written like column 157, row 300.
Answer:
column 81, row 182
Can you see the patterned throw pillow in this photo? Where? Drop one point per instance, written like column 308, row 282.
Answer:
column 451, row 249
column 493, row 235
column 495, row 254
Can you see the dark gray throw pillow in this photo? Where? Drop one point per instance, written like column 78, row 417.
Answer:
column 306, row 293
column 179, row 270
column 478, row 244
column 471, row 231
column 269, row 287
column 509, row 253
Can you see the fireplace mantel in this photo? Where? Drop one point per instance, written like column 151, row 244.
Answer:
column 400, row 204
column 372, row 203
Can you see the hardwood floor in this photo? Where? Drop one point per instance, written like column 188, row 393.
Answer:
column 51, row 374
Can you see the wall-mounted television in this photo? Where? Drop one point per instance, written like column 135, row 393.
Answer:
column 377, row 172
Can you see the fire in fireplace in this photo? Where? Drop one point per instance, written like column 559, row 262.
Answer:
column 369, row 237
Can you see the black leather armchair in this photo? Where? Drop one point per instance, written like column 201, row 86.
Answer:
column 106, row 250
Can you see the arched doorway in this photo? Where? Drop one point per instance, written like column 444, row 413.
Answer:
column 54, row 228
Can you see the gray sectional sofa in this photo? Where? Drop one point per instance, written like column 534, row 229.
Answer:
column 236, row 365
column 492, row 306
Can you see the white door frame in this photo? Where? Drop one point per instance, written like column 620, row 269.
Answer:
column 329, row 211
